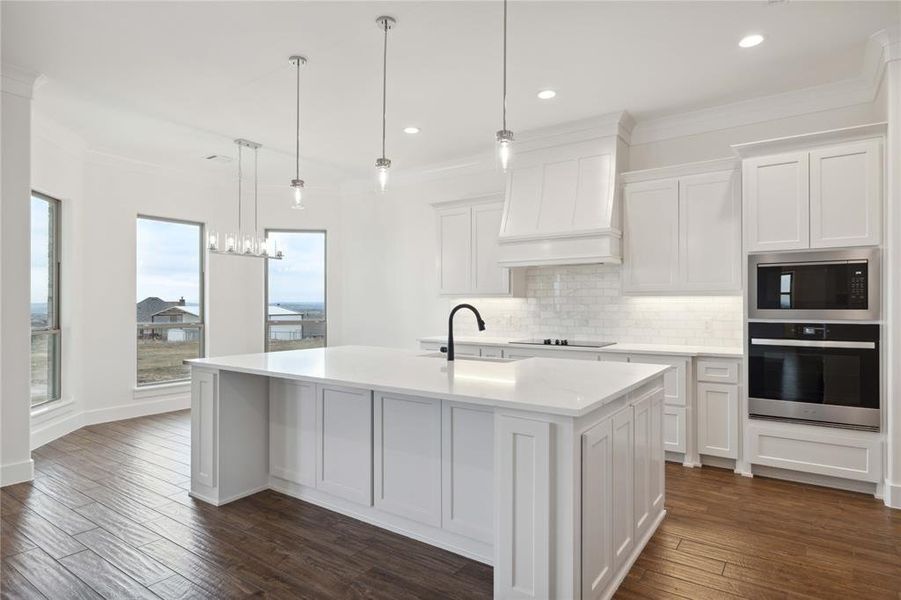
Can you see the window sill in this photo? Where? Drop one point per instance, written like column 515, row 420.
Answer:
column 162, row 389
column 48, row 409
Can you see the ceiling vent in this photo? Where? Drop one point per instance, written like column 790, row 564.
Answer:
column 218, row 158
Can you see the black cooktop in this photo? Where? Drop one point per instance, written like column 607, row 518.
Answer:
column 564, row 342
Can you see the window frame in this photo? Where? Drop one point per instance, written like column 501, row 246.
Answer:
column 54, row 328
column 201, row 324
column 266, row 322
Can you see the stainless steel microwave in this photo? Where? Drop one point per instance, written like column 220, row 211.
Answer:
column 821, row 285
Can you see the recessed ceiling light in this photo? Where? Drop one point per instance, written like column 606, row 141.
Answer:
column 749, row 41
column 546, row 94
column 411, row 130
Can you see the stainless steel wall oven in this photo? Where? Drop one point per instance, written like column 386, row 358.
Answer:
column 823, row 373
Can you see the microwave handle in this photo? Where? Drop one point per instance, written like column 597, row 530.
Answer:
column 813, row 343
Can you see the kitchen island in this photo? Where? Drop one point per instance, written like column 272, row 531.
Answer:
column 549, row 470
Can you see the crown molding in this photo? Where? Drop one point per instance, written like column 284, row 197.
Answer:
column 695, row 168
column 18, row 81
column 882, row 47
column 807, row 140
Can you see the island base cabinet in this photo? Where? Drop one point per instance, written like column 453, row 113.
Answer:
column 344, row 443
column 622, row 491
column 292, row 431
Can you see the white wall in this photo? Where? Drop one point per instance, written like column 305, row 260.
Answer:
column 101, row 197
column 15, row 311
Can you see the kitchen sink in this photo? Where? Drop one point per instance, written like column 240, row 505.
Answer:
column 476, row 358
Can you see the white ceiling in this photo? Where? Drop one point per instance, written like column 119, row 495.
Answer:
column 172, row 81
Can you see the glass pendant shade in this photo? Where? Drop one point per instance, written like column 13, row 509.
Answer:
column 213, row 240
column 382, row 167
column 297, row 185
column 504, row 148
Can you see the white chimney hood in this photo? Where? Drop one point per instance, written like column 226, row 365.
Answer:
column 562, row 204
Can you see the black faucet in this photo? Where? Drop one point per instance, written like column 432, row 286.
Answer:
column 450, row 327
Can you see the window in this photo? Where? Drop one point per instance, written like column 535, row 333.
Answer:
column 45, row 335
column 295, row 291
column 169, row 298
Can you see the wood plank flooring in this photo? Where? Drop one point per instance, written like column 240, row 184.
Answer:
column 108, row 516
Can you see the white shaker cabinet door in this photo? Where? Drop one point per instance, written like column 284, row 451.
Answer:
column 488, row 277
column 718, row 419
column 846, row 195
column 344, row 444
column 468, row 478
column 775, row 190
column 642, row 471
column 292, row 430
column 408, row 457
column 710, row 232
column 455, row 249
column 597, row 513
column 623, row 481
column 651, row 236
column 204, row 427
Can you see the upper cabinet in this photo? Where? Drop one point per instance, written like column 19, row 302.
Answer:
column 815, row 191
column 682, row 229
column 562, row 204
column 468, row 249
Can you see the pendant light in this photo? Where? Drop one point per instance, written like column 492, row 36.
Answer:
column 504, row 137
column 297, row 183
column 241, row 242
column 383, row 164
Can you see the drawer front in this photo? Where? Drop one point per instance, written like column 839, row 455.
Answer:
column 517, row 352
column 816, row 450
column 492, row 352
column 675, row 383
column 718, row 371
column 673, row 428
column 431, row 346
column 613, row 357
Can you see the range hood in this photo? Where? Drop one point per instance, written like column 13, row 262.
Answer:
column 562, row 204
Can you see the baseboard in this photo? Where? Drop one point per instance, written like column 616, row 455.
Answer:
column 168, row 403
column 850, row 485
column 434, row 536
column 892, row 494
column 47, row 431
column 16, row 472
column 627, row 566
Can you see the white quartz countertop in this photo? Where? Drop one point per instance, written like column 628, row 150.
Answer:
column 548, row 385
column 624, row 348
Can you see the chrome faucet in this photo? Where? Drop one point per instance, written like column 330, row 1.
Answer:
column 450, row 327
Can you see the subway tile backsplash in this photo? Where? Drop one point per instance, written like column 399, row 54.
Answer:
column 587, row 302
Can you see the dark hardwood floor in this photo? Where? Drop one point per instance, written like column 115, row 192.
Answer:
column 108, row 515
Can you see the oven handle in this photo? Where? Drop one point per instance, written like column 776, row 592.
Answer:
column 813, row 343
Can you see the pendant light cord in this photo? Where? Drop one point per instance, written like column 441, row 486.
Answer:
column 384, row 86
column 297, row 139
column 505, row 67
column 239, row 189
column 256, row 187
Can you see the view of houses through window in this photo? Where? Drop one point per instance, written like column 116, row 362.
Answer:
column 45, row 330
column 169, row 299
column 295, row 291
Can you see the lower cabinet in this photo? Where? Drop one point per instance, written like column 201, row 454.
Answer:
column 467, row 503
column 344, row 443
column 674, row 428
column 292, row 430
column 622, row 475
column 717, row 419
column 204, row 427
column 407, row 461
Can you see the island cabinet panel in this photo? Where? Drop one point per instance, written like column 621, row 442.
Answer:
column 407, row 432
column 344, row 443
column 204, row 427
column 522, row 456
column 468, row 471
column 623, row 481
column 597, row 514
column 657, row 466
column 292, row 431
column 674, row 428
column 642, row 465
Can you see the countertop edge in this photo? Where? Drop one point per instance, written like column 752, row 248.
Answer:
column 502, row 404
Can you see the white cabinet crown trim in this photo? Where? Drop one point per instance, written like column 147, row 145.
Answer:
column 807, row 141
column 694, row 168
